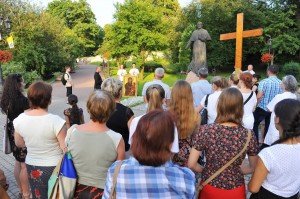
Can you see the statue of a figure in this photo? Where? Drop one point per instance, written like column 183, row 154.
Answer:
column 198, row 47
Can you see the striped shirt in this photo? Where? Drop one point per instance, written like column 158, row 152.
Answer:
column 270, row 87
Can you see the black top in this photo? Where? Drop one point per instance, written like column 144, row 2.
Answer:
column 74, row 117
column 17, row 107
column 98, row 81
column 118, row 122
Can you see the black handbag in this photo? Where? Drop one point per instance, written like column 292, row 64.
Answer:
column 265, row 194
column 204, row 113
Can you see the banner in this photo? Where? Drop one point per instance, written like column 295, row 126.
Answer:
column 10, row 42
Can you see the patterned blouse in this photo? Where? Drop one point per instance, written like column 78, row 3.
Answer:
column 181, row 158
column 221, row 144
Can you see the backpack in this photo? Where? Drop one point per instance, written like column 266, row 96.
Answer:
column 63, row 80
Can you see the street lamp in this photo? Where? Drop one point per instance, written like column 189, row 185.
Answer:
column 7, row 23
column 270, row 44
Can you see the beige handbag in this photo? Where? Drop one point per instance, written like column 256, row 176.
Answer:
column 200, row 186
column 113, row 194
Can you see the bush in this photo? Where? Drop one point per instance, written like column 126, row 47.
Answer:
column 151, row 66
column 292, row 68
column 19, row 68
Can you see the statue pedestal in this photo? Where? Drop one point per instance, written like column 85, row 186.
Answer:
column 191, row 77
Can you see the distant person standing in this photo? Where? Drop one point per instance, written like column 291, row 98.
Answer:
column 134, row 71
column 69, row 82
column 121, row 73
column 267, row 90
column 201, row 87
column 250, row 69
column 98, row 79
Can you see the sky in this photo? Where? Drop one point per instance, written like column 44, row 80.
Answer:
column 104, row 9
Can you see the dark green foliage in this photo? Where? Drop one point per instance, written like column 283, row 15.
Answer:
column 292, row 68
column 151, row 66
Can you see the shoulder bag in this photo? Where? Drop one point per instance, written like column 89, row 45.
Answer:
column 200, row 186
column 6, row 143
column 247, row 100
column 62, row 182
column 113, row 194
column 204, row 113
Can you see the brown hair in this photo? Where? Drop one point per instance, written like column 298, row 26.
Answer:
column 39, row 94
column 101, row 105
column 220, row 82
column 230, row 106
column 187, row 119
column 153, row 137
column 155, row 95
column 234, row 78
column 246, row 77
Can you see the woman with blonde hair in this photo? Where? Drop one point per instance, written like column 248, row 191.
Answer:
column 187, row 119
column 155, row 96
column 218, row 84
column 222, row 141
column 94, row 147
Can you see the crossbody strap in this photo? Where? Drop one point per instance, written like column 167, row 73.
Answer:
column 247, row 100
column 112, row 194
column 206, row 101
column 227, row 164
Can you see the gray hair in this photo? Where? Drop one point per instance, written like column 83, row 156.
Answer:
column 159, row 72
column 113, row 86
column 290, row 83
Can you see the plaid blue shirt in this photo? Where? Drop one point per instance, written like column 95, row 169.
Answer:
column 270, row 87
column 163, row 182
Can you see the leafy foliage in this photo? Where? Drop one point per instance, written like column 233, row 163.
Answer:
column 292, row 68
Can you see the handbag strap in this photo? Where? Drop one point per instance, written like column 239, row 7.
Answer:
column 227, row 164
column 112, row 194
column 247, row 100
column 206, row 101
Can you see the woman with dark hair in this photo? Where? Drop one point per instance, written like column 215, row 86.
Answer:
column 150, row 173
column 277, row 171
column 222, row 141
column 249, row 98
column 95, row 147
column 13, row 103
column 73, row 115
column 43, row 134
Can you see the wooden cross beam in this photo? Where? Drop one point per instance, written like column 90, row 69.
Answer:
column 239, row 35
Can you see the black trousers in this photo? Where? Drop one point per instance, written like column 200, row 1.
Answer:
column 260, row 115
column 69, row 91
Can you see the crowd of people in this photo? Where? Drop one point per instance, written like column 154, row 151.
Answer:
column 157, row 154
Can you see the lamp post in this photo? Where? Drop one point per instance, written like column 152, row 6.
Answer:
column 4, row 30
column 270, row 46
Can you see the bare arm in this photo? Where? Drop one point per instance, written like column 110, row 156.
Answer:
column 199, row 108
column 258, row 177
column 121, row 150
column 259, row 96
column 254, row 88
column 19, row 141
column 249, row 168
column 129, row 121
column 193, row 161
column 61, row 137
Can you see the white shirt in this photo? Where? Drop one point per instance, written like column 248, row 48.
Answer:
column 121, row 73
column 165, row 87
column 248, row 118
column 211, row 105
column 249, row 71
column 200, row 89
column 68, row 77
column 40, row 136
column 134, row 72
column 273, row 133
column 133, row 125
column 283, row 163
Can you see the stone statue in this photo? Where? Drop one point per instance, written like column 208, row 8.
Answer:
column 198, row 47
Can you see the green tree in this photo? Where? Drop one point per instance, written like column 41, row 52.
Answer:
column 79, row 17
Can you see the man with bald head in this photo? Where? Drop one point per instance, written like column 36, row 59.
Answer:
column 250, row 69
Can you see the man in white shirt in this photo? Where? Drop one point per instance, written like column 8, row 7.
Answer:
column 134, row 71
column 121, row 73
column 158, row 75
column 250, row 69
column 202, row 87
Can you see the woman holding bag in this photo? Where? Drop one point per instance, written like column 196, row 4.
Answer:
column 222, row 141
column 94, row 147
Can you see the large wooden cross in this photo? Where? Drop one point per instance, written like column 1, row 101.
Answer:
column 239, row 35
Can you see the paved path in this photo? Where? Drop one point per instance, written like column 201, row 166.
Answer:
column 84, row 81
